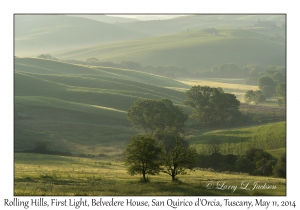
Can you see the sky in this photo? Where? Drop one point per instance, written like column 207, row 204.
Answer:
column 147, row 17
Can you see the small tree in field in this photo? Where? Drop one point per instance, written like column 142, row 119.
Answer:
column 177, row 156
column 142, row 156
column 249, row 96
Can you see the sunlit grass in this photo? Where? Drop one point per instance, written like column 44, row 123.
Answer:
column 56, row 175
column 238, row 140
column 234, row 86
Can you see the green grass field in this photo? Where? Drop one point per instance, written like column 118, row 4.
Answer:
column 81, row 109
column 236, row 141
column 49, row 175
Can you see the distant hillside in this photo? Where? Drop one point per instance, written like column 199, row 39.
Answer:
column 195, row 50
column 196, row 22
column 80, row 109
column 107, row 19
column 35, row 34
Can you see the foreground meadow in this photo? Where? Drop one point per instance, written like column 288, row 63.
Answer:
column 37, row 174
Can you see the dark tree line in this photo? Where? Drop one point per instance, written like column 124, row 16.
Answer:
column 255, row 162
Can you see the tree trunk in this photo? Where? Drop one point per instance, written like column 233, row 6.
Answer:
column 144, row 176
column 173, row 177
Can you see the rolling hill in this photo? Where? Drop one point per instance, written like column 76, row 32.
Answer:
column 106, row 18
column 200, row 21
column 79, row 108
column 195, row 50
column 35, row 34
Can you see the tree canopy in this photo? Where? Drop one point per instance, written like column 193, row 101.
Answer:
column 156, row 116
column 212, row 106
column 266, row 81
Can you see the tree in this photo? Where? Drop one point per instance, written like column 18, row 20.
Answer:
column 253, row 72
column 92, row 60
column 268, row 91
column 249, row 96
column 280, row 168
column 244, row 164
column 263, row 161
column 177, row 156
column 47, row 56
column 143, row 156
column 266, row 81
column 281, row 90
column 211, row 106
column 260, row 98
column 256, row 96
column 156, row 116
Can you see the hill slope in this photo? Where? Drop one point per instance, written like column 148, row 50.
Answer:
column 35, row 34
column 196, row 22
column 78, row 108
column 196, row 50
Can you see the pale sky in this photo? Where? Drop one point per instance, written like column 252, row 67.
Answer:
column 147, row 17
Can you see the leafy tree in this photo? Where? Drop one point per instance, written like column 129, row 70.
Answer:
column 92, row 60
column 244, row 164
column 268, row 91
column 266, row 81
column 177, row 156
column 256, row 96
column 260, row 98
column 249, row 96
column 47, row 56
column 281, row 90
column 143, row 156
column 253, row 73
column 156, row 116
column 280, row 168
column 211, row 106
column 262, row 160
column 276, row 73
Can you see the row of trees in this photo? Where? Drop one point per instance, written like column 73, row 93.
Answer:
column 250, row 72
column 260, row 96
column 254, row 161
column 162, row 147
column 166, row 71
column 145, row 155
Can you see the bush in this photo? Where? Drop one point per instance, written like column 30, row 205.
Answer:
column 280, row 168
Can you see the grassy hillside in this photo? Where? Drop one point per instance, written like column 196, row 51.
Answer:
column 81, row 109
column 36, row 34
column 236, row 141
column 49, row 175
column 194, row 22
column 195, row 50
